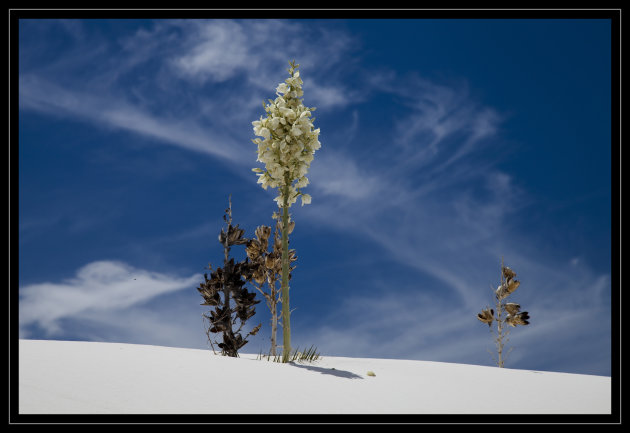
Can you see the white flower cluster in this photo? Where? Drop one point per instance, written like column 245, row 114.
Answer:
column 288, row 142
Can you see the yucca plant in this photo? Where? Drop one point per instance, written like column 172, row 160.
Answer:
column 507, row 313
column 289, row 141
column 226, row 284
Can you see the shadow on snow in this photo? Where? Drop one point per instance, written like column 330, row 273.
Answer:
column 331, row 371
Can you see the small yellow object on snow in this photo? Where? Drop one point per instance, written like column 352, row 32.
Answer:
column 370, row 373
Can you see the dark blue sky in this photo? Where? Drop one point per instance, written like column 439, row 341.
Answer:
column 446, row 145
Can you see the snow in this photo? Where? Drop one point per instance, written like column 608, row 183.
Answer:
column 76, row 377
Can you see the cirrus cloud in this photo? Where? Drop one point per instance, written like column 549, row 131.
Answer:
column 101, row 286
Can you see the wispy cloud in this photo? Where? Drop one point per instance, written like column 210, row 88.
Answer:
column 185, row 55
column 253, row 51
column 339, row 175
column 433, row 215
column 438, row 123
column 38, row 94
column 103, row 286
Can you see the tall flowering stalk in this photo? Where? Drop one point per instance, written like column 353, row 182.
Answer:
column 289, row 141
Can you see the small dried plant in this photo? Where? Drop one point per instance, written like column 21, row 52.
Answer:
column 309, row 355
column 507, row 313
column 268, row 270
column 225, row 284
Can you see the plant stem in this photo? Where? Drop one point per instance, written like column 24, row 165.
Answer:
column 500, row 334
column 286, row 327
column 274, row 324
column 500, row 307
column 226, row 270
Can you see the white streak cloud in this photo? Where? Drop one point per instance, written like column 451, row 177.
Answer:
column 40, row 95
column 219, row 50
column 102, row 286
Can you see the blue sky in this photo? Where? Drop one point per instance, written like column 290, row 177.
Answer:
column 446, row 145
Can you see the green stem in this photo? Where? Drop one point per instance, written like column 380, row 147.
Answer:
column 286, row 326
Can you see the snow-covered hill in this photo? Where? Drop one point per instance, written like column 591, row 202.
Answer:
column 89, row 378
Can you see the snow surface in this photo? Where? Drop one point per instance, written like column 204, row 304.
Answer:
column 71, row 377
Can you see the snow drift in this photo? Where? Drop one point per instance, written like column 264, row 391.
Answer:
column 70, row 377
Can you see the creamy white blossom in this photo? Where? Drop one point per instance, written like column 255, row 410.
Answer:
column 282, row 88
column 289, row 141
column 306, row 199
